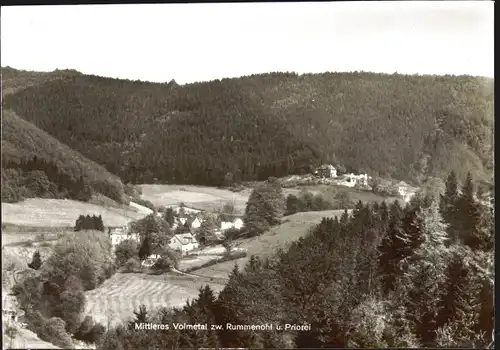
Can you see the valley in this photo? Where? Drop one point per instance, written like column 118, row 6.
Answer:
column 105, row 158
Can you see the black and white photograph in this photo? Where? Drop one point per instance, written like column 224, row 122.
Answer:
column 248, row 175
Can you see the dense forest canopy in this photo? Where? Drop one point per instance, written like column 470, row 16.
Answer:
column 253, row 127
column 35, row 164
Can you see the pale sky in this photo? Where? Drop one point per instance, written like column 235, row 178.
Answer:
column 199, row 42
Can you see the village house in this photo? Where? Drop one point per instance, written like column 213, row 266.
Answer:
column 227, row 222
column 194, row 223
column 183, row 242
column 327, row 171
column 177, row 210
column 118, row 229
column 119, row 235
column 404, row 190
column 226, row 225
column 238, row 224
column 351, row 180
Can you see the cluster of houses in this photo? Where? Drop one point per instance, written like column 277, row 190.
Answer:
column 328, row 171
column 185, row 242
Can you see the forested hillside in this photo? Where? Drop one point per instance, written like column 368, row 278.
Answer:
column 34, row 164
column 14, row 80
column 250, row 128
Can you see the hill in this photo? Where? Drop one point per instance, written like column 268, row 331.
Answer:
column 249, row 128
column 14, row 80
column 34, row 164
column 279, row 237
column 36, row 212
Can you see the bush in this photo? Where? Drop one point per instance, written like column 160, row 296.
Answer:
column 144, row 203
column 164, row 264
column 53, row 331
column 27, row 244
column 36, row 262
column 126, row 250
column 89, row 331
column 132, row 265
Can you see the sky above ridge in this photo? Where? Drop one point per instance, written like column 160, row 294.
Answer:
column 200, row 42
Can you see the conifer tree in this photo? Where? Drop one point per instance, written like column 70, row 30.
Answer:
column 265, row 207
column 391, row 248
column 146, row 247
column 141, row 316
column 459, row 288
column 422, row 300
column 344, row 219
column 80, row 223
column 100, row 224
column 410, row 238
column 448, row 205
column 169, row 216
column 293, row 204
column 36, row 262
column 434, row 237
column 469, row 215
column 461, row 311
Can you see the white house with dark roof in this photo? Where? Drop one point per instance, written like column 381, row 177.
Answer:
column 119, row 236
column 183, row 242
column 326, row 170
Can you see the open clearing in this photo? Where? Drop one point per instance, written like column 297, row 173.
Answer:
column 197, row 197
column 293, row 227
column 211, row 198
column 62, row 213
column 118, row 297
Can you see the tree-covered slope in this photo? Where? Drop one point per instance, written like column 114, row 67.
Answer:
column 34, row 164
column 253, row 127
column 14, row 80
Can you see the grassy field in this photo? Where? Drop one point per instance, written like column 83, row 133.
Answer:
column 61, row 213
column 293, row 227
column 117, row 298
column 197, row 197
column 354, row 194
column 210, row 198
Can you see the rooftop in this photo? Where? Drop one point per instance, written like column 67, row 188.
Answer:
column 185, row 238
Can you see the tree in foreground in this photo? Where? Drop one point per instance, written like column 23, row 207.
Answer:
column 265, row 207
column 125, row 250
column 146, row 248
column 141, row 316
column 169, row 216
column 36, row 262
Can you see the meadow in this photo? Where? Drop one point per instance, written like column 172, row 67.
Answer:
column 117, row 298
column 211, row 198
column 292, row 228
column 196, row 197
column 62, row 213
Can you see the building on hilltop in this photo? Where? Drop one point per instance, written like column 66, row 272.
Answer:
column 327, row 171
